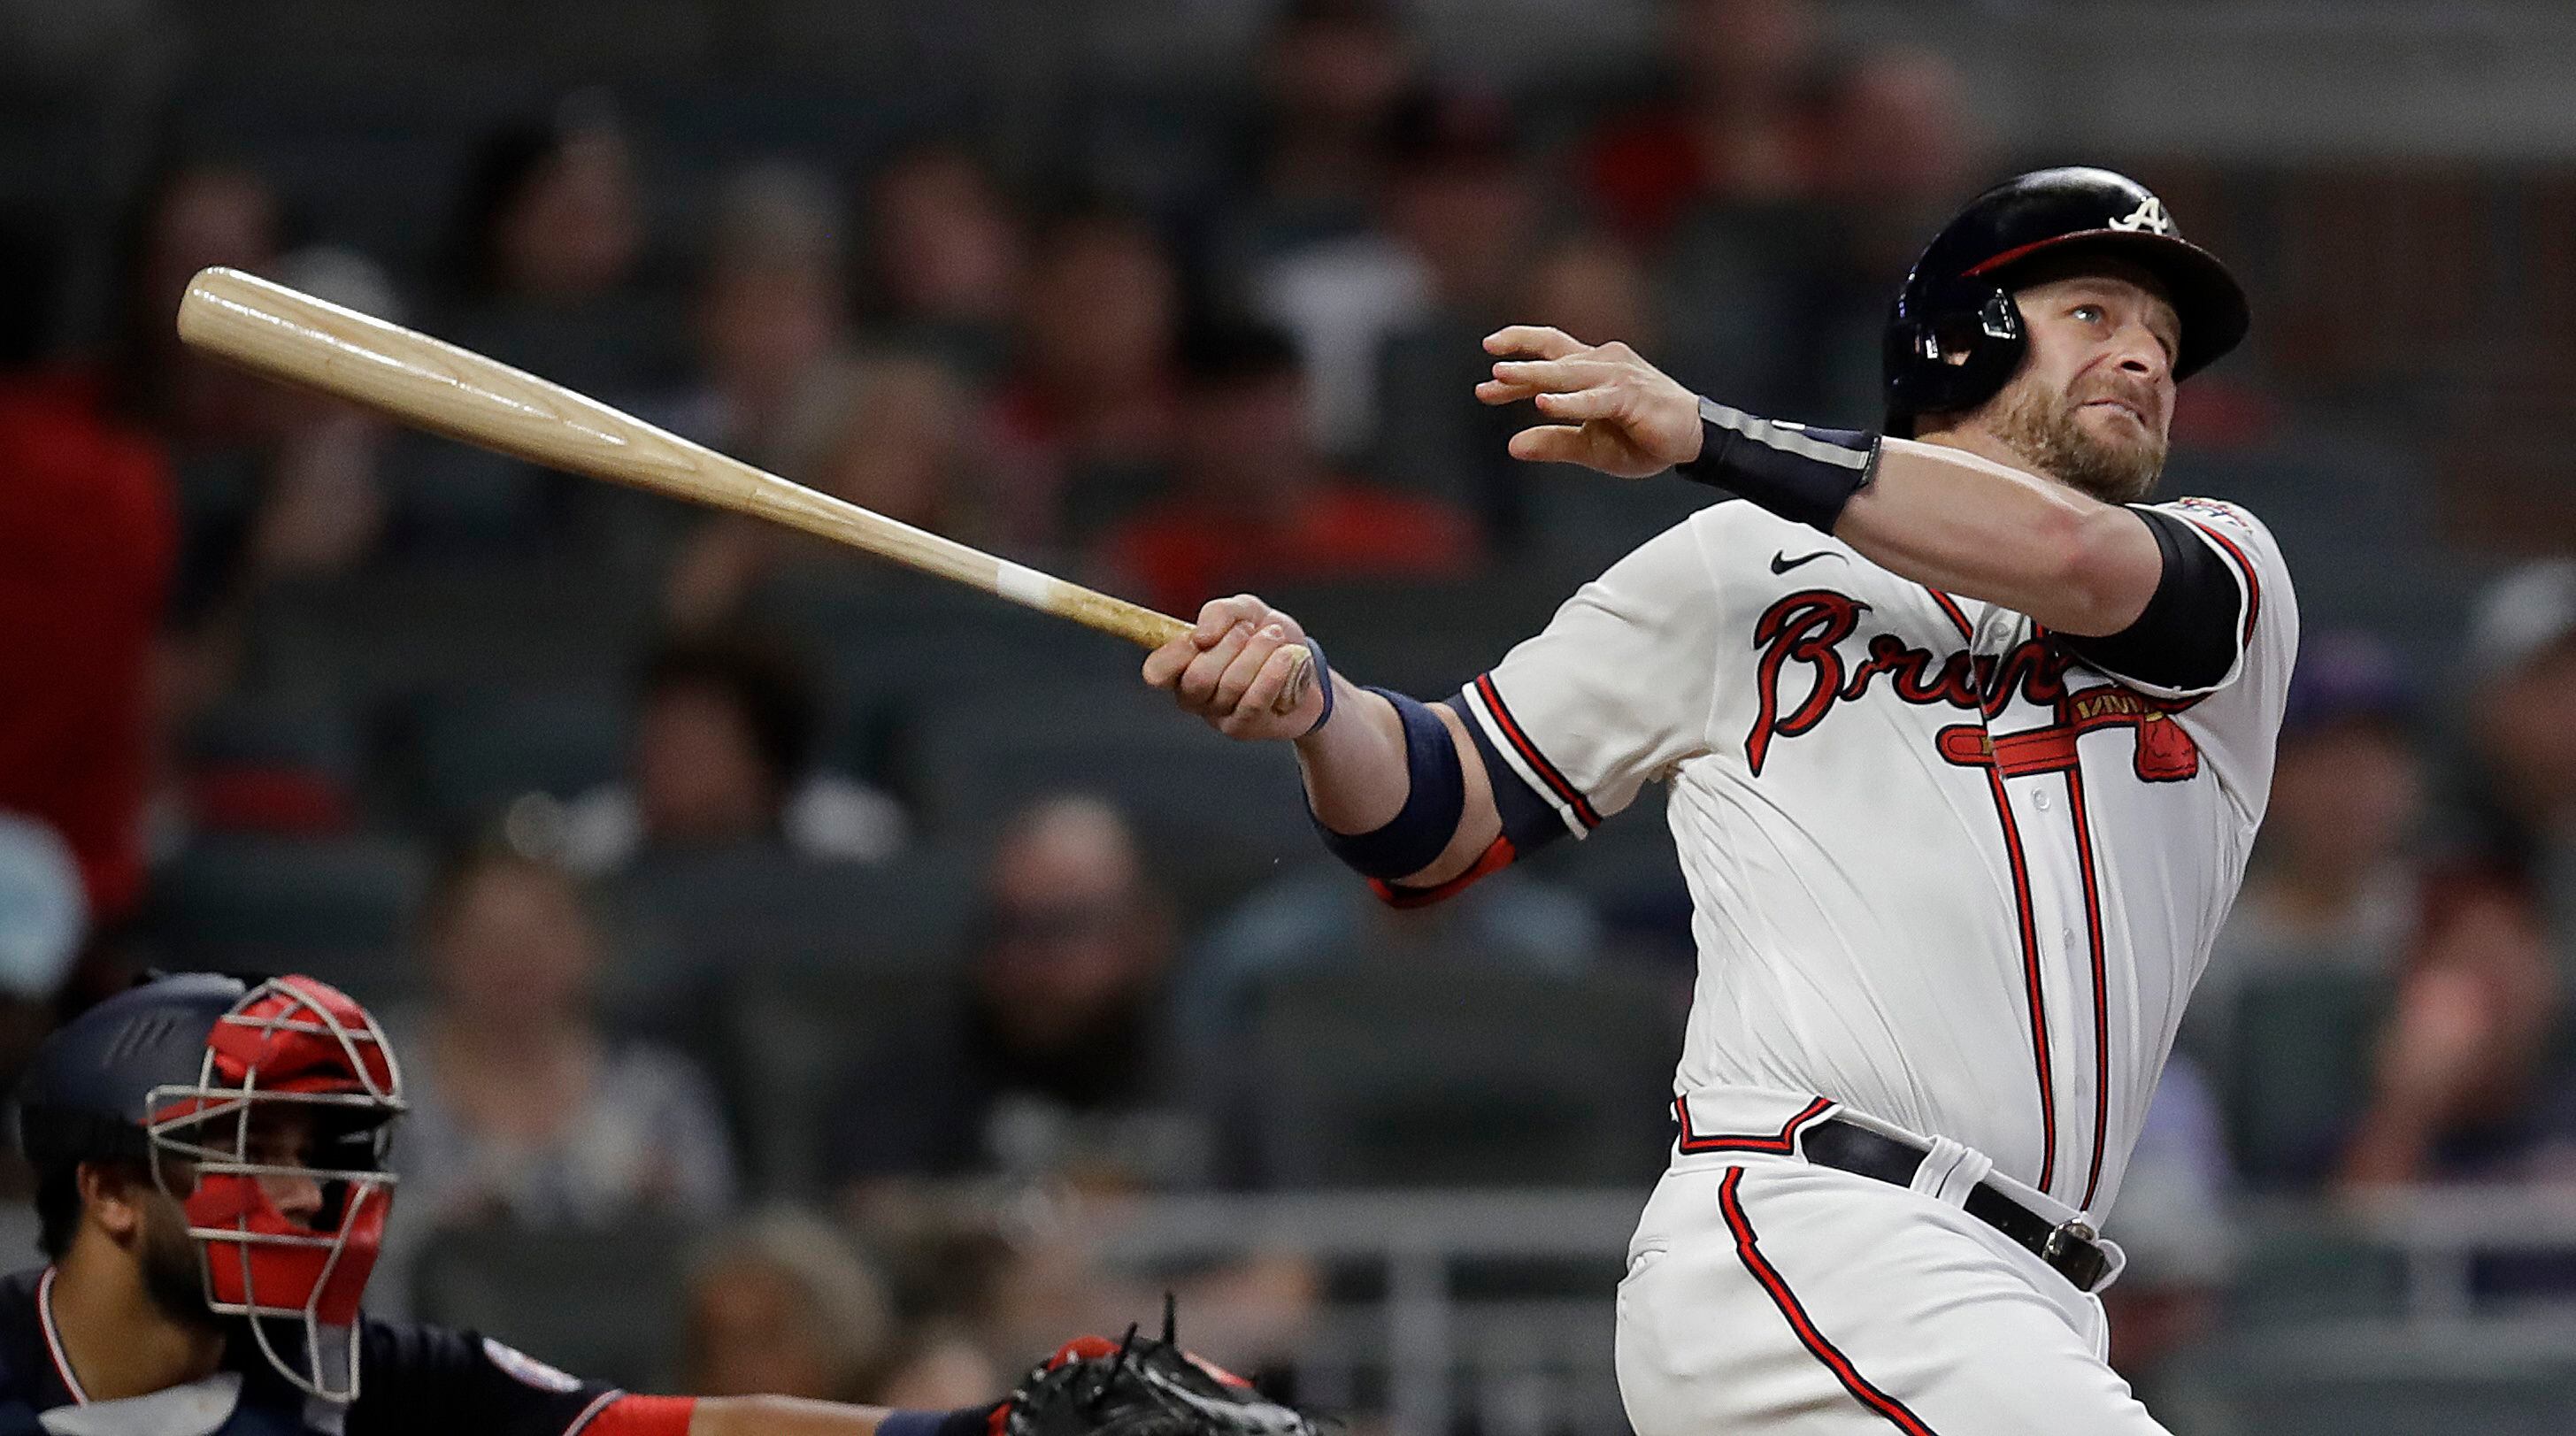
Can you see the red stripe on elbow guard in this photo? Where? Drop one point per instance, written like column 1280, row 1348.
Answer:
column 1497, row 856
column 643, row 1416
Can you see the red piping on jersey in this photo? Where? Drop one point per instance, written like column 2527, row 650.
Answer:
column 2101, row 988
column 2030, row 976
column 1950, row 606
column 1781, row 1143
column 2253, row 585
column 1566, row 792
column 1497, row 855
column 617, row 1414
column 1802, row 1324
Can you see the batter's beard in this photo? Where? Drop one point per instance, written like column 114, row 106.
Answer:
column 173, row 1274
column 2042, row 428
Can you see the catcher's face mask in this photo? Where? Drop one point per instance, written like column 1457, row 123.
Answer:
column 277, row 1155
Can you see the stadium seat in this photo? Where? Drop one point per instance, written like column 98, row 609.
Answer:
column 1455, row 1072
column 789, row 1040
column 255, row 767
column 475, row 750
column 1423, row 638
column 978, row 761
column 738, row 912
column 606, row 1305
column 333, row 907
column 363, row 639
column 2314, row 1273
column 2296, row 1068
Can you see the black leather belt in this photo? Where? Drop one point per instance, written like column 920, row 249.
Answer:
column 2068, row 1247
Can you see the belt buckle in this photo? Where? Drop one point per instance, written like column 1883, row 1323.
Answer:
column 2065, row 1237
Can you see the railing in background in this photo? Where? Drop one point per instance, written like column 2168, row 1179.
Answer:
column 2396, row 1300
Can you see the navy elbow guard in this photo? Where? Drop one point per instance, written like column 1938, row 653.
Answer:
column 1437, row 797
column 1799, row 473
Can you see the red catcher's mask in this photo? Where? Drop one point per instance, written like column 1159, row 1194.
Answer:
column 285, row 1131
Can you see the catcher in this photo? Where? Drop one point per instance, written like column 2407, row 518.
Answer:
column 212, row 1194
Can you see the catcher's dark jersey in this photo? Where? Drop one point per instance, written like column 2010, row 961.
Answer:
column 413, row 1381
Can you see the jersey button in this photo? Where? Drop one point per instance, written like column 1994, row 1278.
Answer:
column 2042, row 800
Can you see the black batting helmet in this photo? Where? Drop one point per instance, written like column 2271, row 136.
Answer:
column 1954, row 335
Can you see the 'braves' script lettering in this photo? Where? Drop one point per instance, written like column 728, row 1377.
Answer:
column 1803, row 673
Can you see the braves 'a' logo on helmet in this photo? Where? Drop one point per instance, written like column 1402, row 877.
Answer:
column 2148, row 218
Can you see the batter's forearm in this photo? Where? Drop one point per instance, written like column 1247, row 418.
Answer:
column 1357, row 778
column 1968, row 525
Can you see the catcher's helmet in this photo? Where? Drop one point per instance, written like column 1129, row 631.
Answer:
column 1955, row 337
column 187, row 1074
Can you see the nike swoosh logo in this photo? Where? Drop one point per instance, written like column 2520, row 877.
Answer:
column 1782, row 563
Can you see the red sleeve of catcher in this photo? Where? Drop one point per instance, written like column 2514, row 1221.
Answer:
column 639, row 1416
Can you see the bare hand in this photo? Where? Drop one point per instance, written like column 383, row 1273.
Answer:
column 1614, row 411
column 1231, row 670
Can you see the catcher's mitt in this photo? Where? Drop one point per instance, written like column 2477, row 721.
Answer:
column 1141, row 1386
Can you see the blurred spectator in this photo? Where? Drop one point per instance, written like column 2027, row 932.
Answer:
column 1086, row 417
column 548, row 254
column 44, row 913
column 891, row 434
column 1331, row 73
column 1465, row 204
column 783, row 1303
column 523, row 1109
column 1320, row 916
column 322, row 504
column 1738, row 119
column 1591, row 286
column 2173, row 1222
column 723, row 753
column 990, row 1276
column 193, row 214
column 2461, row 1087
column 1056, row 1061
column 2522, row 668
column 1902, row 152
column 770, row 308
column 1252, row 503
column 2335, row 877
column 1441, row 266
column 2458, row 1068
column 88, row 539
column 946, row 263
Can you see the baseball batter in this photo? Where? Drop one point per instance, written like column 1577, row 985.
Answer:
column 1966, row 742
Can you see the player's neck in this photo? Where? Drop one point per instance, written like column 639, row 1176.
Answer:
column 117, row 1340
column 1970, row 439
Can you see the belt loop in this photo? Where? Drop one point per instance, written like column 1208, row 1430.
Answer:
column 1950, row 1171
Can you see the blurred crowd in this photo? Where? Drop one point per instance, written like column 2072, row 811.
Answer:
column 1251, row 372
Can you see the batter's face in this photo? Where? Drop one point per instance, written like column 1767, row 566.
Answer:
column 2093, row 402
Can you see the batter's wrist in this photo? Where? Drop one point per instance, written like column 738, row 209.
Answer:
column 1802, row 474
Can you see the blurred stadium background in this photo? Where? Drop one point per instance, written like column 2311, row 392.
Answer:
column 814, row 980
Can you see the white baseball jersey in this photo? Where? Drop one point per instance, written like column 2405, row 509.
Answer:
column 1943, row 870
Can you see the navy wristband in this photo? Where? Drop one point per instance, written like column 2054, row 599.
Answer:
column 1324, row 676
column 1802, row 474
column 964, row 1421
column 1420, row 831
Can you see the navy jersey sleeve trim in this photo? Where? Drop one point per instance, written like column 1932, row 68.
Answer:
column 1530, row 817
column 418, row 1380
column 2188, row 636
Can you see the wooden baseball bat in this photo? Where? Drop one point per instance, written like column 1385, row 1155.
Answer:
column 284, row 334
